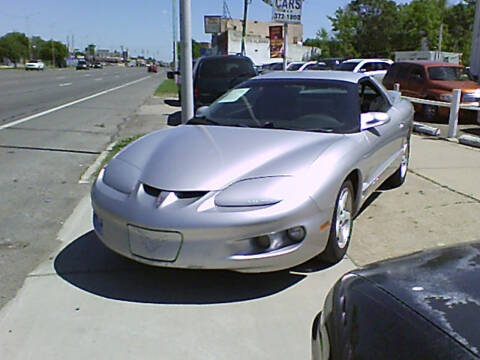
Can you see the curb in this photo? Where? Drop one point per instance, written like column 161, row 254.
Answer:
column 92, row 169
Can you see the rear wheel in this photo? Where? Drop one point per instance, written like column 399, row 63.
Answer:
column 342, row 225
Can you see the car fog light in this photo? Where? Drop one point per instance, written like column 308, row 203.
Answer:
column 263, row 242
column 296, row 233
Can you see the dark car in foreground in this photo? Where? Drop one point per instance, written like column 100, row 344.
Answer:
column 421, row 306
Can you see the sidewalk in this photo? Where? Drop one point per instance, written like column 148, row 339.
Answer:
column 438, row 205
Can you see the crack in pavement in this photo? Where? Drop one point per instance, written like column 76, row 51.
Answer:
column 445, row 186
column 87, row 152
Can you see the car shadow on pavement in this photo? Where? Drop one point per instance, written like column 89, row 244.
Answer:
column 87, row 264
column 174, row 119
column 172, row 102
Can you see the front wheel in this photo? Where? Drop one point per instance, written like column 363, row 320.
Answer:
column 342, row 225
column 429, row 112
column 399, row 176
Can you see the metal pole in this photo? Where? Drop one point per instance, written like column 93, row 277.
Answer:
column 453, row 118
column 285, row 45
column 174, row 33
column 244, row 26
column 186, row 60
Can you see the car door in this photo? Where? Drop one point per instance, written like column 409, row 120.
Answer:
column 383, row 143
column 416, row 82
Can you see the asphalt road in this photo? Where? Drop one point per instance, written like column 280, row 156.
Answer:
column 23, row 93
column 42, row 159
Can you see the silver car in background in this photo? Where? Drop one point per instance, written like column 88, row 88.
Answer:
column 267, row 177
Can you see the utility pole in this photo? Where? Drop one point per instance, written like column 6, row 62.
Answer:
column 174, row 33
column 53, row 54
column 285, row 45
column 440, row 36
column 244, row 26
column 186, row 59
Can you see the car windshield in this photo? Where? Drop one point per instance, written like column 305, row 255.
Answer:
column 33, row 61
column 308, row 105
column 347, row 66
column 225, row 68
column 448, row 73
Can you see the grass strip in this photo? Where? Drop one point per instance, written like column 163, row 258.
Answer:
column 167, row 86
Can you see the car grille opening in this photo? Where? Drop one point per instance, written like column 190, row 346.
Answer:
column 152, row 191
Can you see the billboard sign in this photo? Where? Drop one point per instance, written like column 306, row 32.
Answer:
column 286, row 11
column 213, row 24
column 276, row 41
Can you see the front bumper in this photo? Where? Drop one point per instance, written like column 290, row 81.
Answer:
column 190, row 234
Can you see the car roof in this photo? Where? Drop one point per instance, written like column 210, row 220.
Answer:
column 212, row 57
column 320, row 75
column 428, row 63
column 368, row 60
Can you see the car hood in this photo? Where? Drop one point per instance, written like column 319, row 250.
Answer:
column 205, row 158
column 441, row 285
column 465, row 86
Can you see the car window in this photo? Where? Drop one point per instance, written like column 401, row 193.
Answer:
column 318, row 66
column 371, row 66
column 225, row 68
column 403, row 72
column 294, row 67
column 448, row 73
column 417, row 74
column 371, row 99
column 348, row 66
column 383, row 66
column 300, row 104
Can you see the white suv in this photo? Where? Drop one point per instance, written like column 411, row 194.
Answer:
column 34, row 65
column 373, row 67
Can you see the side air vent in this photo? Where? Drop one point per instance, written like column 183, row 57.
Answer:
column 189, row 194
column 150, row 190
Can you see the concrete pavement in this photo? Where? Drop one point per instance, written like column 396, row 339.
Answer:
column 85, row 301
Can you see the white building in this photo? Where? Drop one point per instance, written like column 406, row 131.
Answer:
column 257, row 41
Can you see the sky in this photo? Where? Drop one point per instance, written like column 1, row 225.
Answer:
column 144, row 27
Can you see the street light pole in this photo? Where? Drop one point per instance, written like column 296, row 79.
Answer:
column 186, row 60
column 174, row 33
column 244, row 26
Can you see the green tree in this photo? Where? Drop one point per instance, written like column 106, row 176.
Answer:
column 458, row 22
column 14, row 46
column 54, row 50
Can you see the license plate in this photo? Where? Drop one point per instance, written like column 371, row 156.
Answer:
column 154, row 245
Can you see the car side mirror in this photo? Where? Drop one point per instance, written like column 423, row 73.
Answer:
column 171, row 74
column 201, row 112
column 371, row 120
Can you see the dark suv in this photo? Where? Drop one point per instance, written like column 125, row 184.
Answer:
column 214, row 75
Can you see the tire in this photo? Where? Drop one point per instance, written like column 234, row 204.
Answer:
column 342, row 225
column 399, row 176
column 429, row 112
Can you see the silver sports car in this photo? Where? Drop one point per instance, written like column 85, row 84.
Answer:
column 267, row 177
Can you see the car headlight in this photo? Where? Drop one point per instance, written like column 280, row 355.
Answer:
column 446, row 97
column 471, row 96
column 256, row 192
column 121, row 175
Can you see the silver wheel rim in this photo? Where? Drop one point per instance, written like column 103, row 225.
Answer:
column 343, row 223
column 404, row 163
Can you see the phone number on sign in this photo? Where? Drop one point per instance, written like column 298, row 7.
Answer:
column 287, row 17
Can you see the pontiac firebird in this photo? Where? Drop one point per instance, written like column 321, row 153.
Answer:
column 269, row 176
